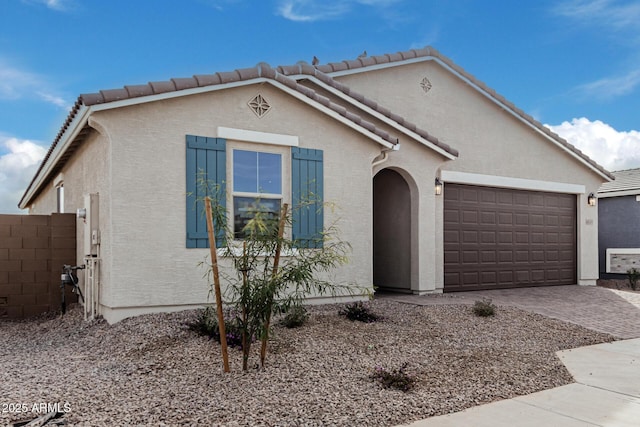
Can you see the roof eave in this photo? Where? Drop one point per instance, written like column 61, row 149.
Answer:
column 377, row 115
column 57, row 151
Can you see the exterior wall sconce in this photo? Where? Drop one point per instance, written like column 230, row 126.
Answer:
column 438, row 186
column 591, row 200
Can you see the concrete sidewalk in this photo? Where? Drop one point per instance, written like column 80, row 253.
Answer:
column 606, row 393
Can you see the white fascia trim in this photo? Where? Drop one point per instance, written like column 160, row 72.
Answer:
column 620, row 251
column 619, row 193
column 67, row 138
column 377, row 115
column 508, row 182
column 333, row 114
column 259, row 137
column 481, row 91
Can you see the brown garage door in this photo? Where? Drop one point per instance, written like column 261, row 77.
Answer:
column 501, row 238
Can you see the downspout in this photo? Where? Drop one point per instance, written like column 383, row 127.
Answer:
column 385, row 155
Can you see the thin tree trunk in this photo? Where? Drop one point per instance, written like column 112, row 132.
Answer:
column 216, row 283
column 276, row 262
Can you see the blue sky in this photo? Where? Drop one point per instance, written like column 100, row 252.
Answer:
column 572, row 64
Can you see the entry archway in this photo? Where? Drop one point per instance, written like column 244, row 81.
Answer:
column 391, row 232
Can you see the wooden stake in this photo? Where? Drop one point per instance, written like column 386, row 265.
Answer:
column 216, row 283
column 276, row 263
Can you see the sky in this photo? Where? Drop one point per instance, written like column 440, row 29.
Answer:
column 574, row 65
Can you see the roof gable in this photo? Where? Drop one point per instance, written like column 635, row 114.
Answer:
column 288, row 78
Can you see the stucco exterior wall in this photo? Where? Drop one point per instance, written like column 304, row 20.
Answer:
column 151, row 267
column 619, row 227
column 490, row 139
column 88, row 171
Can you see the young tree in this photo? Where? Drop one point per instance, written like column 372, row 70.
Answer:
column 272, row 272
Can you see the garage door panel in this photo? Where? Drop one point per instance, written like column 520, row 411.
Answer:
column 498, row 238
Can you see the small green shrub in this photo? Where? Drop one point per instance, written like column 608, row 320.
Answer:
column 634, row 275
column 206, row 324
column 484, row 308
column 359, row 311
column 397, row 378
column 295, row 317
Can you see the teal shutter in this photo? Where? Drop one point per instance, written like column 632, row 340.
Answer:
column 205, row 161
column 307, row 193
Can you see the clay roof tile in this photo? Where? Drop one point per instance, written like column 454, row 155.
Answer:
column 182, row 83
column 139, row 90
column 91, row 98
column 111, row 95
column 163, row 87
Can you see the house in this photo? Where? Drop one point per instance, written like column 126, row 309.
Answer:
column 619, row 225
column 440, row 183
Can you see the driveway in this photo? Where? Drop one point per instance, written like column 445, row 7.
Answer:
column 600, row 309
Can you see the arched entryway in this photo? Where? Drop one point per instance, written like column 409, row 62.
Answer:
column 391, row 232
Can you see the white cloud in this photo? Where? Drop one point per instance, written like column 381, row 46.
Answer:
column 58, row 5
column 615, row 15
column 614, row 150
column 611, row 87
column 17, row 167
column 16, row 84
column 319, row 10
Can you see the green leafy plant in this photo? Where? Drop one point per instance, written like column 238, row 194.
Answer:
column 484, row 308
column 633, row 275
column 206, row 324
column 295, row 317
column 396, row 378
column 263, row 282
column 359, row 311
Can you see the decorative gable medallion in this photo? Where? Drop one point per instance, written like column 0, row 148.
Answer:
column 425, row 84
column 259, row 105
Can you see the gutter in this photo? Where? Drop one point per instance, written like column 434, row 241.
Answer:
column 385, row 155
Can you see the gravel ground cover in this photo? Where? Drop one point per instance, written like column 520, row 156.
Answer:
column 153, row 370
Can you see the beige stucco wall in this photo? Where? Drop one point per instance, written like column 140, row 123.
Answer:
column 87, row 171
column 491, row 141
column 151, row 269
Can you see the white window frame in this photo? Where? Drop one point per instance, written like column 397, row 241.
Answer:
column 59, row 186
column 285, row 155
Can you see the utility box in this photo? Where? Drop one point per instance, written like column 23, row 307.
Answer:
column 91, row 225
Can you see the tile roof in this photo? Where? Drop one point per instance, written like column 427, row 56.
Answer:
column 323, row 72
column 282, row 74
column 627, row 181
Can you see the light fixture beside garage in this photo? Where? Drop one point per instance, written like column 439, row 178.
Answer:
column 591, row 200
column 438, row 186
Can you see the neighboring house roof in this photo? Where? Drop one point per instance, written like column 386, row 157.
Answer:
column 627, row 183
column 75, row 127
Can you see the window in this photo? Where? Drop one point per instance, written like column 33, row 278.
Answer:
column 257, row 187
column 256, row 175
column 60, row 198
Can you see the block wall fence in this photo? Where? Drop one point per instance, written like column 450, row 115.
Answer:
column 33, row 249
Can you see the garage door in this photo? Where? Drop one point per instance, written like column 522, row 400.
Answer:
column 502, row 238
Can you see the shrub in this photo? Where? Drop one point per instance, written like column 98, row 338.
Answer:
column 484, row 308
column 359, row 311
column 206, row 324
column 634, row 275
column 295, row 317
column 397, row 378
